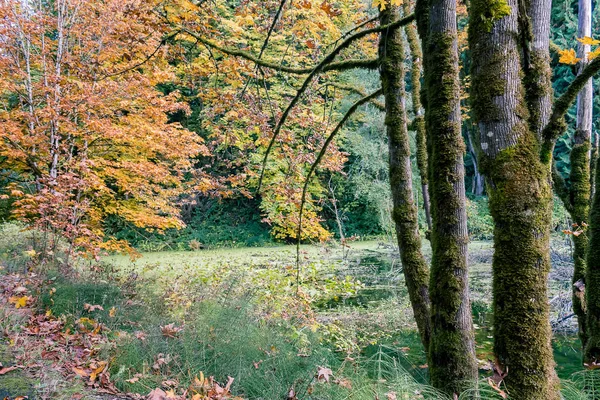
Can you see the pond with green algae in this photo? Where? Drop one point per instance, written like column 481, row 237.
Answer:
column 381, row 273
column 381, row 296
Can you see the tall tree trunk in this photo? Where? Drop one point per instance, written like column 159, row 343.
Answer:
column 404, row 214
column 419, row 121
column 453, row 365
column 580, row 189
column 592, row 279
column 520, row 201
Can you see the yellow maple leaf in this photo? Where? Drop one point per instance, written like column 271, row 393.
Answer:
column 588, row 41
column 379, row 4
column 568, row 57
column 594, row 54
column 19, row 302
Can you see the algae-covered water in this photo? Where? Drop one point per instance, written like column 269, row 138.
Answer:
column 381, row 297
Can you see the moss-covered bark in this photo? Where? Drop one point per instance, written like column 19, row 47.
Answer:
column 592, row 279
column 416, row 273
column 452, row 365
column 419, row 121
column 579, row 192
column 520, row 202
column 580, row 184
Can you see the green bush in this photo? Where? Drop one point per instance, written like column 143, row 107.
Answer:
column 479, row 221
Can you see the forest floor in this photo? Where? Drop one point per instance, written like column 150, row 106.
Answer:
column 164, row 325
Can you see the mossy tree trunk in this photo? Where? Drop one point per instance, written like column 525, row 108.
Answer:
column 404, row 214
column 419, row 120
column 580, row 184
column 592, row 279
column 453, row 366
column 520, row 198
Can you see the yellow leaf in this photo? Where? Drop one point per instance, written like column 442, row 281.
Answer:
column 19, row 302
column 98, row 371
column 594, row 54
column 568, row 57
column 588, row 41
column 396, row 2
column 379, row 4
column 112, row 312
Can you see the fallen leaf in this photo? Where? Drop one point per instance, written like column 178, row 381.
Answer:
column 323, row 374
column 170, row 330
column 91, row 308
column 6, row 370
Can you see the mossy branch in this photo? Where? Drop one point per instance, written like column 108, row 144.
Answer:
column 338, row 66
column 324, row 62
column 355, row 89
column 557, row 125
column 561, row 189
column 314, row 165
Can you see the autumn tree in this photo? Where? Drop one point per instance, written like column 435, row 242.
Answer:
column 83, row 126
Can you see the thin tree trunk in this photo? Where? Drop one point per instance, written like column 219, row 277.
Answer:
column 404, row 214
column 453, row 366
column 478, row 179
column 419, row 121
column 580, row 188
column 520, row 201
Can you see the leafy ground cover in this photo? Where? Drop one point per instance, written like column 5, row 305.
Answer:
column 232, row 323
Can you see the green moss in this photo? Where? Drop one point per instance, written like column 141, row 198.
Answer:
column 521, row 205
column 592, row 279
column 404, row 213
column 452, row 358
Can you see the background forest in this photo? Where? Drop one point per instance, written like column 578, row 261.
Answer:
column 215, row 199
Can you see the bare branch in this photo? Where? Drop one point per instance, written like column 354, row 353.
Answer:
column 314, row 165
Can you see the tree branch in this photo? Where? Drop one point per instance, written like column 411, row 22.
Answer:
column 561, row 189
column 379, row 104
column 145, row 60
column 339, row 66
column 557, row 125
column 328, row 59
column 314, row 165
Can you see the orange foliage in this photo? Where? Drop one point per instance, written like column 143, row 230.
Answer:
column 82, row 121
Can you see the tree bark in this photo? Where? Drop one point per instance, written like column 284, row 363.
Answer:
column 419, row 121
column 592, row 279
column 404, row 214
column 520, row 200
column 478, row 185
column 453, row 366
column 580, row 188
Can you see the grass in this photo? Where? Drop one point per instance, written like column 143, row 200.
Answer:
column 241, row 317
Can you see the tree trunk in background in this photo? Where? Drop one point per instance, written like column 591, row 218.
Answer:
column 580, row 188
column 592, row 279
column 453, row 366
column 419, row 121
column 404, row 214
column 478, row 186
column 520, row 198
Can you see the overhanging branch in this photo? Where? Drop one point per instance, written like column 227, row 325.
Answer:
column 328, row 59
column 338, row 66
column 354, row 89
column 556, row 126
